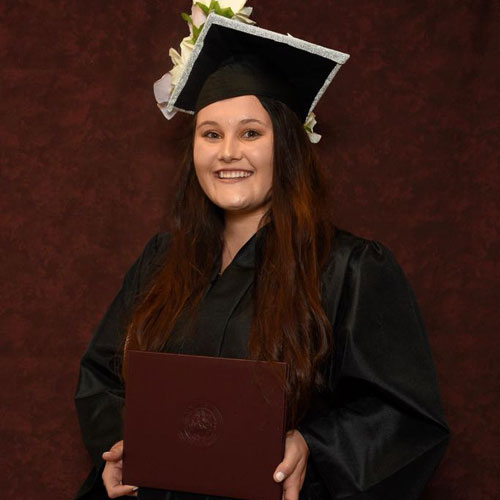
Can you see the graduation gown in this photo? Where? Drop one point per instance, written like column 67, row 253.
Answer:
column 377, row 431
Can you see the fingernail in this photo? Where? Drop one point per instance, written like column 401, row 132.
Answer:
column 279, row 476
column 135, row 488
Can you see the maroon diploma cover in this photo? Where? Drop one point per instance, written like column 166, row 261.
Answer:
column 204, row 424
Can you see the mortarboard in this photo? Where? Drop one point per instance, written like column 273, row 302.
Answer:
column 231, row 58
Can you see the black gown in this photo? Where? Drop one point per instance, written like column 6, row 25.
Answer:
column 376, row 432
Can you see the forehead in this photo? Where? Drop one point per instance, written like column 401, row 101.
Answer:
column 234, row 109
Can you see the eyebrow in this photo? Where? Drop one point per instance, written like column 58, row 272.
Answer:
column 243, row 122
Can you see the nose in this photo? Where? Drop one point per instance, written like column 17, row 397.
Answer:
column 230, row 149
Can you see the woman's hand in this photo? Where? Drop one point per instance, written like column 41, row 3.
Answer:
column 112, row 473
column 292, row 469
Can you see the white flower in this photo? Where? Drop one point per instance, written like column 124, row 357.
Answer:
column 241, row 13
column 180, row 60
column 197, row 16
column 309, row 125
column 162, row 89
column 244, row 14
column 234, row 5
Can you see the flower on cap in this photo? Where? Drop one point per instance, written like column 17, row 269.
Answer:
column 163, row 87
column 309, row 125
column 232, row 9
column 180, row 60
column 197, row 20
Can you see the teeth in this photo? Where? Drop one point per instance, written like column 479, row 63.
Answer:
column 232, row 174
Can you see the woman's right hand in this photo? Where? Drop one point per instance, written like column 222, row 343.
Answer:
column 112, row 473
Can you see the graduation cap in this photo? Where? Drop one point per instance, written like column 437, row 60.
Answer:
column 231, row 58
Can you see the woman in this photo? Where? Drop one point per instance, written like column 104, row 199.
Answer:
column 254, row 269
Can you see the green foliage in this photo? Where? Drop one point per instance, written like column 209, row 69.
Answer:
column 203, row 7
column 197, row 31
column 215, row 7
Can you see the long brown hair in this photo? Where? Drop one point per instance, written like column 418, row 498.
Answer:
column 289, row 323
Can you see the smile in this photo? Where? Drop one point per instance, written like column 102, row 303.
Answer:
column 232, row 174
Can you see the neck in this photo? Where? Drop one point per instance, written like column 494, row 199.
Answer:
column 238, row 229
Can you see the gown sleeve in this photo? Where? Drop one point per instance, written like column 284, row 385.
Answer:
column 379, row 430
column 100, row 393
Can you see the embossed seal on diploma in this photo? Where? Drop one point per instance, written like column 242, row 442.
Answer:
column 201, row 424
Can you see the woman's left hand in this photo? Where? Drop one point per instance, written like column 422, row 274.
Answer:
column 292, row 469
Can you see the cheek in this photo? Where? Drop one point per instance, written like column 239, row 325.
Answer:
column 264, row 159
column 202, row 161
column 198, row 156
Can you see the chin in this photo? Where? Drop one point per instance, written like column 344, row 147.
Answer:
column 234, row 208
column 232, row 205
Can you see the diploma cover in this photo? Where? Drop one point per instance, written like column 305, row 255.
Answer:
column 204, row 424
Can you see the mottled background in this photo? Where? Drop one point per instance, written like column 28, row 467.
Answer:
column 88, row 164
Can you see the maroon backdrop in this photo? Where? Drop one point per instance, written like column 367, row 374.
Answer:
column 88, row 164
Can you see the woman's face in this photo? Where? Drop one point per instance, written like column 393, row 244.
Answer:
column 233, row 154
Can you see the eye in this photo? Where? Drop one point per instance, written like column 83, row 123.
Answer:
column 251, row 134
column 210, row 134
